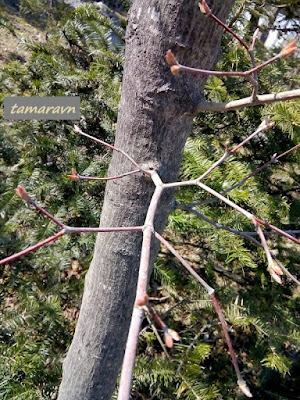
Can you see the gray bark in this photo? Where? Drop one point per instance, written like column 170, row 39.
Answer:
column 155, row 118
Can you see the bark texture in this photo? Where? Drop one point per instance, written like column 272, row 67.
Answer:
column 155, row 119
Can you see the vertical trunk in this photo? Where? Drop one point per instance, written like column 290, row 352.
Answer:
column 155, row 118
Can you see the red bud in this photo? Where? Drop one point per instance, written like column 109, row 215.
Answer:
column 170, row 58
column 74, row 176
column 22, row 193
column 204, row 8
column 289, row 49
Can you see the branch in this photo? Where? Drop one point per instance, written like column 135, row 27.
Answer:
column 246, row 235
column 273, row 160
column 241, row 383
column 77, row 177
column 110, row 146
column 20, row 191
column 249, row 101
column 141, row 293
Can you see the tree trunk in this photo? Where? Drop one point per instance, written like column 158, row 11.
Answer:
column 155, row 118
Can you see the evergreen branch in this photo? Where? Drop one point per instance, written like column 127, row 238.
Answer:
column 249, row 101
column 241, row 383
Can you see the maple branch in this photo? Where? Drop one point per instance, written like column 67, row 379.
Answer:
column 141, row 293
column 32, row 248
column 110, row 146
column 246, row 235
column 241, row 383
column 77, row 177
column 272, row 160
column 20, row 191
column 265, row 125
column 249, row 101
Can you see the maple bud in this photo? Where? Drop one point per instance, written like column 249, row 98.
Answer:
column 142, row 301
column 175, row 69
column 74, row 176
column 289, row 49
column 22, row 193
column 204, row 8
column 244, row 387
column 169, row 336
column 170, row 58
column 275, row 272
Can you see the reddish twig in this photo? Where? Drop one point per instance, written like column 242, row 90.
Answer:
column 66, row 229
column 246, row 235
column 21, row 192
column 241, row 383
column 169, row 334
column 273, row 160
column 279, row 231
column 207, row 12
column 32, row 248
column 110, row 146
column 77, row 177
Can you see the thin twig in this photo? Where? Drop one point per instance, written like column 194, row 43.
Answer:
column 78, row 130
column 273, row 160
column 245, row 235
column 32, row 248
column 242, row 384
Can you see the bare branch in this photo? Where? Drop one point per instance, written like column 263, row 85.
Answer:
column 246, row 235
column 77, row 177
column 242, row 384
column 273, row 160
column 32, row 248
column 141, row 293
column 249, row 101
column 78, row 130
